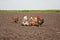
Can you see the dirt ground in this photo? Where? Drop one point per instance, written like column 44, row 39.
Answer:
column 50, row 30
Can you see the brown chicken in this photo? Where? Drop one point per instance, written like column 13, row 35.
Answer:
column 15, row 19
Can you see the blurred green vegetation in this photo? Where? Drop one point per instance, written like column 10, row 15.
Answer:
column 29, row 10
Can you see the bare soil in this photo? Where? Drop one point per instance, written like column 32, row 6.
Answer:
column 50, row 30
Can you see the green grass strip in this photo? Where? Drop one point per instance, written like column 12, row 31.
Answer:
column 29, row 10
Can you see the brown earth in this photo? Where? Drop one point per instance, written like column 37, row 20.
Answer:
column 50, row 30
